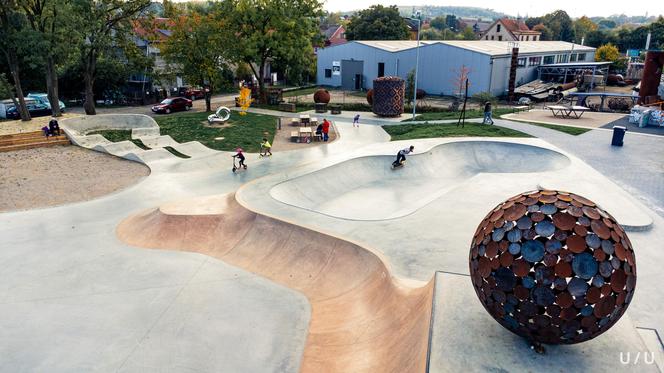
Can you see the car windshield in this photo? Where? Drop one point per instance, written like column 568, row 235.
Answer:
column 167, row 101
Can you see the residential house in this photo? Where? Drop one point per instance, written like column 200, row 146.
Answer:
column 507, row 29
column 478, row 25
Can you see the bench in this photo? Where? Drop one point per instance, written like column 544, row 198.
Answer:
column 570, row 112
column 517, row 109
column 335, row 109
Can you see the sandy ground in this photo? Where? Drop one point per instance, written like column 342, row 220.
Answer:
column 282, row 140
column 8, row 127
column 589, row 119
column 58, row 175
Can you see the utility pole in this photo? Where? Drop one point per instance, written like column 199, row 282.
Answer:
column 417, row 61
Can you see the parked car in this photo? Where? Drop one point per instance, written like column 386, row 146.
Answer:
column 192, row 93
column 36, row 110
column 42, row 98
column 172, row 104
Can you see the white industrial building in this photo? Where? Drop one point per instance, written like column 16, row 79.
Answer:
column 356, row 64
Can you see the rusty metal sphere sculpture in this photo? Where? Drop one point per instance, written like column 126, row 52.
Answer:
column 370, row 96
column 552, row 267
column 322, row 96
column 388, row 96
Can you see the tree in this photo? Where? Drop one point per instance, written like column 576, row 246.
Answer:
column 607, row 24
column 560, row 25
column 105, row 26
column 459, row 80
column 545, row 31
column 598, row 37
column 439, row 23
column 13, row 43
column 607, row 52
column 431, row 34
column 583, row 26
column 54, row 28
column 377, row 23
column 198, row 47
column 274, row 30
column 531, row 22
column 468, row 34
column 451, row 21
column 610, row 53
column 410, row 86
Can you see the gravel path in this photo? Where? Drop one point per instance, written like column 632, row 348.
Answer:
column 44, row 177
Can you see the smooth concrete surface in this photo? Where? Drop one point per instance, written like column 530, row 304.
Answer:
column 364, row 188
column 362, row 320
column 466, row 339
column 74, row 298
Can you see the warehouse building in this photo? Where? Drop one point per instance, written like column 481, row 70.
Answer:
column 354, row 65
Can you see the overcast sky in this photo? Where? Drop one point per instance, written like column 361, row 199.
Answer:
column 574, row 8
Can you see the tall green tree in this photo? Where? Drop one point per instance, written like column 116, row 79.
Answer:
column 451, row 22
column 14, row 43
column 276, row 30
column 583, row 26
column 545, row 31
column 438, row 23
column 198, row 49
column 52, row 22
column 106, row 27
column 377, row 23
column 560, row 25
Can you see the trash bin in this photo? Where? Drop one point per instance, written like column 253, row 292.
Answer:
column 618, row 135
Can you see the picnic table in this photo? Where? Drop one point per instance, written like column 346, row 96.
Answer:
column 562, row 111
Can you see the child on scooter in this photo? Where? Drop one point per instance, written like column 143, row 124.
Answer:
column 239, row 155
column 265, row 148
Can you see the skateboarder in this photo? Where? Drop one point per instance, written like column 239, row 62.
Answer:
column 401, row 155
column 356, row 120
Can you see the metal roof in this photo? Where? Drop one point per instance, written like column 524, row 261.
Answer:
column 490, row 47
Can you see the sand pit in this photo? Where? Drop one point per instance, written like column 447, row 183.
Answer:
column 44, row 177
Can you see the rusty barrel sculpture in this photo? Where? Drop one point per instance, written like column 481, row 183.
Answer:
column 552, row 267
column 322, row 96
column 388, row 96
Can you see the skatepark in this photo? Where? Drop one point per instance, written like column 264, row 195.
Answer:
column 322, row 259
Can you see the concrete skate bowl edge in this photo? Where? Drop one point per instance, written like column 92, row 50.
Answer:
column 362, row 319
column 366, row 188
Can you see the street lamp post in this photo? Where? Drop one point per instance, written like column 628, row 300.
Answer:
column 417, row 61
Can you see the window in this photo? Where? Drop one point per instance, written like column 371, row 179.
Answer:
column 562, row 58
column 497, row 28
column 527, row 38
column 500, row 38
column 328, row 73
column 486, row 37
column 491, row 37
column 581, row 57
column 521, row 62
column 381, row 69
column 572, row 57
column 534, row 61
column 549, row 60
column 535, row 38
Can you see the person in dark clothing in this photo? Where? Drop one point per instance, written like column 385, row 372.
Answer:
column 240, row 155
column 487, row 113
column 401, row 155
column 54, row 127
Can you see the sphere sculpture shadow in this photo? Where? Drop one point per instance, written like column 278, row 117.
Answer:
column 552, row 267
column 322, row 96
column 388, row 96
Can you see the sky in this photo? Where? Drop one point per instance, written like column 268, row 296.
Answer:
column 574, row 8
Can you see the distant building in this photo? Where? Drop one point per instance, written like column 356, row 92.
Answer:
column 478, row 25
column 506, row 29
column 354, row 65
column 334, row 35
column 148, row 38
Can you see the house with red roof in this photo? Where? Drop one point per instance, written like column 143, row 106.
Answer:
column 507, row 29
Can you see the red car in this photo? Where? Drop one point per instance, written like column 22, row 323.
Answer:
column 172, row 104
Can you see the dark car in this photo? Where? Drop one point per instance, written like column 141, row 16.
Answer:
column 192, row 93
column 172, row 104
column 36, row 110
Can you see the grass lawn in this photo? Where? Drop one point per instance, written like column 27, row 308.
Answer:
column 243, row 131
column 574, row 131
column 300, row 92
column 455, row 115
column 420, row 131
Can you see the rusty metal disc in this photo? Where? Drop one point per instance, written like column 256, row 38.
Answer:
column 580, row 230
column 604, row 306
column 564, row 221
column 576, row 244
column 515, row 212
column 563, row 269
column 620, row 251
column 548, row 199
column 591, row 212
column 583, row 200
column 577, row 212
column 618, row 280
column 593, row 295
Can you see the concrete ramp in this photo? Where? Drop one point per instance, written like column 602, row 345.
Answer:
column 362, row 320
column 366, row 188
